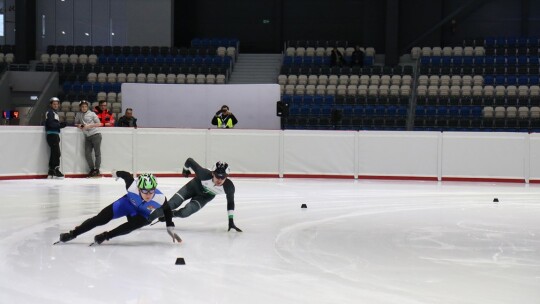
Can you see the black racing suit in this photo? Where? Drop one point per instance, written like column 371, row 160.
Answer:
column 200, row 190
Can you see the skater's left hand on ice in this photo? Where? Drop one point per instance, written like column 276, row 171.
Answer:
column 175, row 237
column 233, row 226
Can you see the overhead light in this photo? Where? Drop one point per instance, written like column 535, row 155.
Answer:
column 63, row 33
column 87, row 34
column 112, row 34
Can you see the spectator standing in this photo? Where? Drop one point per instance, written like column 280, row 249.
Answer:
column 52, row 129
column 127, row 120
column 336, row 58
column 357, row 57
column 105, row 117
column 88, row 122
column 224, row 118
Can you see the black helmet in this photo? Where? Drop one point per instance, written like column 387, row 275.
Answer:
column 221, row 169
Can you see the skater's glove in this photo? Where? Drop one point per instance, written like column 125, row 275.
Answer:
column 185, row 172
column 62, row 125
column 175, row 237
column 233, row 226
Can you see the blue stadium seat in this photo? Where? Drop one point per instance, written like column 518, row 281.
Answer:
column 489, row 60
column 468, row 60
column 308, row 99
column 523, row 80
column 446, row 60
column 297, row 99
column 436, row 60
column 391, row 111
column 326, row 110
column 116, row 87
column 318, row 99
column 499, row 80
column 522, row 60
column 86, row 87
column 432, row 110
column 457, row 60
column 489, row 41
column 329, row 99
column 465, row 111
column 489, row 80
column 426, row 60
column 511, row 80
column 420, row 111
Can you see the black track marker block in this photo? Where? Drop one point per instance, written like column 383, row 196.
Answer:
column 180, row 261
column 303, row 206
column 495, row 200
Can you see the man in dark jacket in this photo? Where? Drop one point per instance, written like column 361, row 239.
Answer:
column 127, row 120
column 52, row 128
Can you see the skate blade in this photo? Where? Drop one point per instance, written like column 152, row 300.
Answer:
column 94, row 243
column 57, row 242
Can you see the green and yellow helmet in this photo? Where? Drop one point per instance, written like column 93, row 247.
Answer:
column 147, row 181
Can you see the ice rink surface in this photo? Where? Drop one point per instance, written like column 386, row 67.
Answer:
column 357, row 242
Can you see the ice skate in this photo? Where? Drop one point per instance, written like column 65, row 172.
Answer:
column 65, row 237
column 100, row 238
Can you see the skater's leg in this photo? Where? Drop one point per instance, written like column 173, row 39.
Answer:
column 133, row 223
column 196, row 204
column 102, row 218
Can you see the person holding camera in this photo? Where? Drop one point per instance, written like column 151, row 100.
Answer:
column 89, row 123
column 52, row 129
column 224, row 119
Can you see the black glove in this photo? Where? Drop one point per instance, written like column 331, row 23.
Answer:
column 233, row 226
column 62, row 125
column 185, row 172
column 218, row 113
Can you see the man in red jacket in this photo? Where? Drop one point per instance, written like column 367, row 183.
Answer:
column 105, row 117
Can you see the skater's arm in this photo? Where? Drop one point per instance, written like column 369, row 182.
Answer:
column 228, row 186
column 167, row 213
column 229, row 191
column 127, row 177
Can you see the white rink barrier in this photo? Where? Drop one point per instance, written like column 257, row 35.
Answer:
column 509, row 157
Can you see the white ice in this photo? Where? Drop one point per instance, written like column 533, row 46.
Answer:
column 357, row 242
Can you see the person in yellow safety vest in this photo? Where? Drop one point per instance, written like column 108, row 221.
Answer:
column 224, row 119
